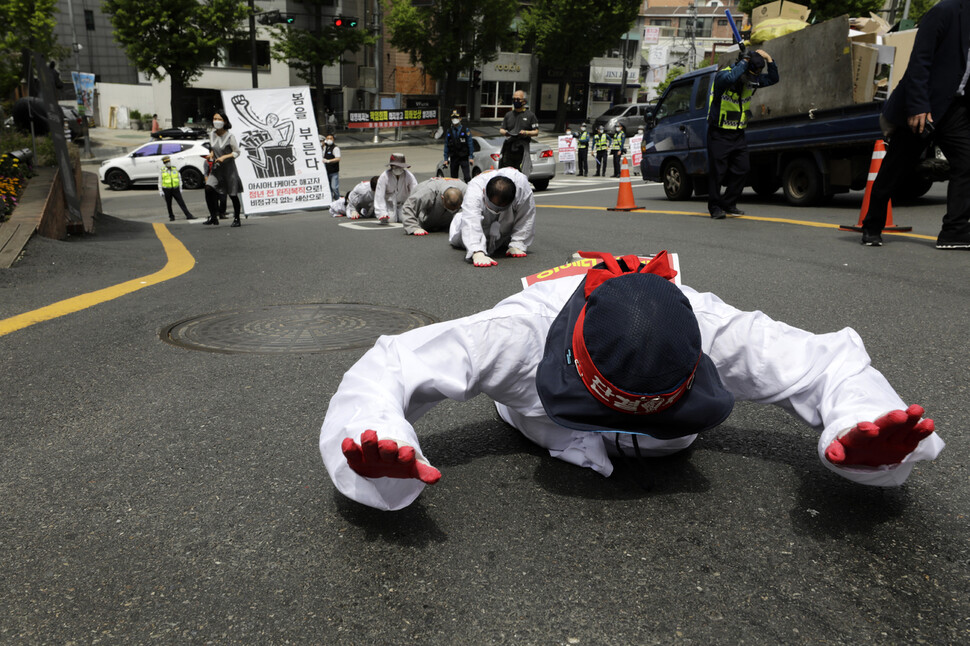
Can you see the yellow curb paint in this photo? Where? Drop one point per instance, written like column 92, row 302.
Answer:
column 803, row 223
column 179, row 262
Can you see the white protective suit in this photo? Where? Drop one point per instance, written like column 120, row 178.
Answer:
column 474, row 228
column 825, row 379
column 391, row 193
column 360, row 200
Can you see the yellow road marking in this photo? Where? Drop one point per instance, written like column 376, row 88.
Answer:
column 758, row 218
column 179, row 262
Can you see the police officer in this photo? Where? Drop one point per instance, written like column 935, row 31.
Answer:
column 458, row 147
column 618, row 148
column 170, row 187
column 601, row 147
column 582, row 150
column 729, row 106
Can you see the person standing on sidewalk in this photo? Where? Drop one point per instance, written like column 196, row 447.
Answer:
column 518, row 128
column 459, row 148
column 170, row 187
column 932, row 96
column 331, row 160
column 224, row 178
column 582, row 151
column 729, row 106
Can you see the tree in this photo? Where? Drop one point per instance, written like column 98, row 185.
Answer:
column 308, row 51
column 26, row 25
column 451, row 36
column 175, row 38
column 573, row 43
column 824, row 9
column 672, row 73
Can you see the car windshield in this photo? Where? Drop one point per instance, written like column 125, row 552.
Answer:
column 616, row 110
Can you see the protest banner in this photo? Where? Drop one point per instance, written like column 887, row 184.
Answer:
column 578, row 266
column 393, row 118
column 84, row 91
column 280, row 162
column 567, row 148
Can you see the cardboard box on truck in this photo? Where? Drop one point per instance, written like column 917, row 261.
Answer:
column 779, row 10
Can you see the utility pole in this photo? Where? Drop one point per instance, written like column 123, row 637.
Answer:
column 76, row 46
column 378, row 51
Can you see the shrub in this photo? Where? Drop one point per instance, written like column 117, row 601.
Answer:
column 13, row 179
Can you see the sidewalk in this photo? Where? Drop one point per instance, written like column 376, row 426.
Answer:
column 113, row 142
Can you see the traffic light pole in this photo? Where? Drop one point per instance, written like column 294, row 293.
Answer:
column 252, row 41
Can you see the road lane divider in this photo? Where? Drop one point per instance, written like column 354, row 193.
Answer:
column 179, row 262
column 756, row 218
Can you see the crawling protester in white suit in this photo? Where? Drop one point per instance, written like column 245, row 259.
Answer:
column 620, row 360
column 497, row 215
column 360, row 200
column 393, row 188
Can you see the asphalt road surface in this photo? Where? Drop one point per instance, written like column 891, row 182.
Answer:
column 157, row 494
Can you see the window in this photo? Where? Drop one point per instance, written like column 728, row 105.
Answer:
column 677, row 101
column 146, row 151
column 237, row 56
column 703, row 90
column 660, row 22
column 89, row 19
column 171, row 149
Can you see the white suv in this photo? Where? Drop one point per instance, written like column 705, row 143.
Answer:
column 143, row 165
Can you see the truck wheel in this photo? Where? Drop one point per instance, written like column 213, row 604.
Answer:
column 912, row 189
column 801, row 182
column 765, row 185
column 677, row 184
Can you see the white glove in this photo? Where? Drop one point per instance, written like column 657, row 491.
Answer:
column 479, row 259
column 419, row 232
column 515, row 253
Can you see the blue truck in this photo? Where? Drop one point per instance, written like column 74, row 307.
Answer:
column 810, row 155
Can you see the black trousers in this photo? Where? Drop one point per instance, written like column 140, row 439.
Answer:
column 460, row 162
column 616, row 162
column 727, row 165
column 903, row 154
column 583, row 155
column 601, row 162
column 216, row 202
column 174, row 193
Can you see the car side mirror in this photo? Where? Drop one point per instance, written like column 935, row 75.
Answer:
column 651, row 121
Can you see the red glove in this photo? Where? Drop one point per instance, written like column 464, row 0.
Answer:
column 515, row 253
column 383, row 459
column 419, row 232
column 886, row 441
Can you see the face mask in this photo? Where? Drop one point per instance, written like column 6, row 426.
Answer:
column 583, row 128
column 329, row 142
column 218, row 124
column 488, row 206
column 455, row 122
column 639, row 131
column 397, row 171
column 518, row 103
column 569, row 133
column 168, row 164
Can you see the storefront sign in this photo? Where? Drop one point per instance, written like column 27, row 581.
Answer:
column 611, row 75
column 651, row 35
column 392, row 118
column 508, row 67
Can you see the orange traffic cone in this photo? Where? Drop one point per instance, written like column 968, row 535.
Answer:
column 624, row 199
column 878, row 152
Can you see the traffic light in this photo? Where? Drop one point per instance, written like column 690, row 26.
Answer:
column 288, row 19
column 276, row 18
column 344, row 21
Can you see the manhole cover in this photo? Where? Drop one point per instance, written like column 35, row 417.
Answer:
column 283, row 329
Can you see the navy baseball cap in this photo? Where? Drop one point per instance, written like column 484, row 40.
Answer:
column 624, row 354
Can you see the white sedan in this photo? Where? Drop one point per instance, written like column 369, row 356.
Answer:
column 488, row 155
column 143, row 165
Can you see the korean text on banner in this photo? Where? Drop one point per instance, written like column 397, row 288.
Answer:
column 567, row 148
column 281, row 163
column 635, row 144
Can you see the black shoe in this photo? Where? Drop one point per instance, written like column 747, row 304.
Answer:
column 953, row 242
column 189, row 217
column 171, row 218
column 235, row 223
column 734, row 211
column 208, row 220
column 223, row 216
column 717, row 213
column 871, row 239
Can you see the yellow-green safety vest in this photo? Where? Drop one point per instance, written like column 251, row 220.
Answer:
column 601, row 141
column 170, row 177
column 734, row 108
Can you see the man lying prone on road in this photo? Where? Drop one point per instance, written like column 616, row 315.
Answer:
column 618, row 361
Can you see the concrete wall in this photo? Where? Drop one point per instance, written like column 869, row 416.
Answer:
column 133, row 97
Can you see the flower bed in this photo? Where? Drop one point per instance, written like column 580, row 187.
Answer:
column 13, row 179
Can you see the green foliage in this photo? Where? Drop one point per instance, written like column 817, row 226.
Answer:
column 175, row 38
column 25, row 24
column 451, row 35
column 918, row 9
column 824, row 9
column 134, row 115
column 672, row 74
column 598, row 26
column 309, row 50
